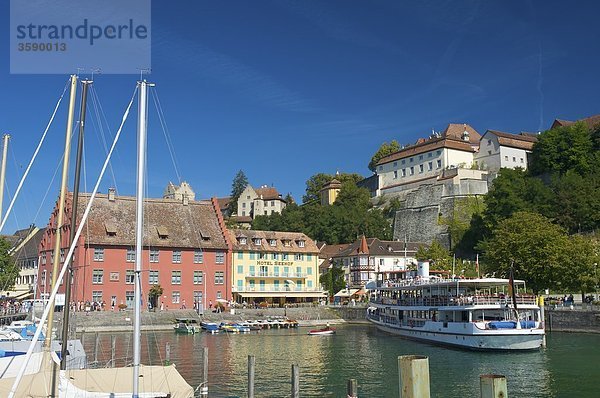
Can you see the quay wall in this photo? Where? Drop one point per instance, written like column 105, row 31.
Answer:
column 352, row 314
column 566, row 320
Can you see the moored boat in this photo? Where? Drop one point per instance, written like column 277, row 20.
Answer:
column 322, row 332
column 187, row 325
column 468, row 313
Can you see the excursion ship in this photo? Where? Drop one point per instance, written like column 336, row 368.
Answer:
column 479, row 314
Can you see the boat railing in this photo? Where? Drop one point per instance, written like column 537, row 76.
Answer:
column 455, row 301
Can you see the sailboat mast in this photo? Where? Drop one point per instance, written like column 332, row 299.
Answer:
column 61, row 202
column 5, row 138
column 139, row 230
column 67, row 310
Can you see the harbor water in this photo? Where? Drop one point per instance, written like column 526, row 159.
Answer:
column 568, row 367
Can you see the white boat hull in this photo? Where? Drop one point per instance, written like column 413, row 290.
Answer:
column 528, row 339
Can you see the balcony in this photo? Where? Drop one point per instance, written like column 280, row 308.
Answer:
column 269, row 288
column 277, row 275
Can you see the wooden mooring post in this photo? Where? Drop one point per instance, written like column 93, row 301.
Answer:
column 251, row 364
column 204, row 385
column 493, row 386
column 352, row 389
column 295, row 381
column 414, row 376
column 96, row 346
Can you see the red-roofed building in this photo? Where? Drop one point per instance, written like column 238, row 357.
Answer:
column 259, row 201
column 504, row 150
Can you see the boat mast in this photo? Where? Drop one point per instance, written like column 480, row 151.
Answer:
column 5, row 138
column 69, row 279
column 59, row 219
column 139, row 230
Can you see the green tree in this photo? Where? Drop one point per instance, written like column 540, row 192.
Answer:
column 384, row 150
column 333, row 279
column 537, row 248
column 240, row 182
column 576, row 201
column 437, row 254
column 8, row 266
column 562, row 149
column 459, row 220
column 155, row 292
column 583, row 255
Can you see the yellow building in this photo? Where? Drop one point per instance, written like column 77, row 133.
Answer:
column 330, row 191
column 276, row 267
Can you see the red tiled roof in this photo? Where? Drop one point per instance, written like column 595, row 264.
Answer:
column 265, row 246
column 268, row 193
column 521, row 141
column 591, row 122
column 451, row 138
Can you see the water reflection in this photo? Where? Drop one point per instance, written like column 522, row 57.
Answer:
column 565, row 369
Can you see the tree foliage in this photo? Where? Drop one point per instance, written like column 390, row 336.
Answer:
column 333, row 279
column 384, row 150
column 533, row 245
column 240, row 182
column 8, row 267
column 438, row 256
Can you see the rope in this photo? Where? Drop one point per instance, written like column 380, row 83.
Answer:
column 12, row 202
column 70, row 253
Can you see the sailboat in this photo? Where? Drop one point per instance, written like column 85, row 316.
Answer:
column 135, row 381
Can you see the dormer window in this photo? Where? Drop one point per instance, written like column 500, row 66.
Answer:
column 242, row 240
column 273, row 242
column 111, row 229
column 163, row 233
column 300, row 243
column 257, row 241
column 286, row 242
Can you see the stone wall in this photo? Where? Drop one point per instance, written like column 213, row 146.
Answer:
column 352, row 314
column 572, row 321
column 418, row 219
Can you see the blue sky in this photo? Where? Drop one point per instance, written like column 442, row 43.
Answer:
column 286, row 89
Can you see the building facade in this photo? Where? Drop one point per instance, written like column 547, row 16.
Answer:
column 504, row 150
column 185, row 252
column 364, row 258
column 425, row 161
column 274, row 267
column 24, row 253
column 260, row 201
column 330, row 192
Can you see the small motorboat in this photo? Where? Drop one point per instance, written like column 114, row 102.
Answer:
column 322, row 332
column 210, row 327
column 186, row 325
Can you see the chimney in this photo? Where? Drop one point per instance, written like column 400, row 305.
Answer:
column 465, row 134
column 185, row 199
column 111, row 194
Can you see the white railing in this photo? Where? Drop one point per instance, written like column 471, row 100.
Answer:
column 273, row 288
column 456, row 301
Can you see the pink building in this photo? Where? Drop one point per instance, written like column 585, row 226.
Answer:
column 185, row 252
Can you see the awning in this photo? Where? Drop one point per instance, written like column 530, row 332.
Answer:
column 19, row 295
column 346, row 292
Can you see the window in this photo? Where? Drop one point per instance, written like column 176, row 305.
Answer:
column 430, row 166
column 266, row 213
column 240, row 255
column 286, row 271
column 198, row 277
column 420, row 168
column 153, row 256
column 521, row 160
column 299, row 272
column 252, row 270
column 395, row 164
column 276, row 286
column 514, row 159
column 176, row 258
column 380, row 168
column 439, row 152
column 240, row 285
column 242, row 240
column 175, row 277
column 98, row 254
column 198, row 298
column 244, row 204
column 62, row 254
column 489, row 152
column 276, row 271
column 489, row 142
column 429, row 154
column 240, row 269
column 243, row 212
column 252, row 255
column 129, row 277
column 153, row 277
column 97, row 296
column 175, row 297
column 130, row 256
column 262, row 285
column 299, row 257
column 220, row 258
column 198, row 256
column 44, row 258
column 262, row 256
column 411, row 160
column 420, row 157
column 300, row 243
column 272, row 203
column 273, row 242
column 403, row 172
column 309, row 257
column 274, row 256
column 114, row 276
column 97, row 276
column 395, row 174
column 219, row 295
column 284, row 256
column 439, row 164
column 308, row 271
column 309, row 283
column 263, row 271
column 412, row 170
column 257, row 241
column 506, row 158
column 403, row 161
column 129, row 298
column 248, row 197
column 219, row 278
column 286, row 242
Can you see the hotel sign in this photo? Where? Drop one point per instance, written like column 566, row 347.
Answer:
column 267, row 262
